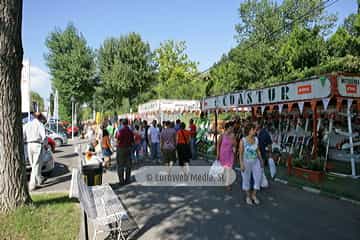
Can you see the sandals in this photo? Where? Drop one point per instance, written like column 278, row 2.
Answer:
column 256, row 200
column 248, row 201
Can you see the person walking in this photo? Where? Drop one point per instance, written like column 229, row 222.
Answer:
column 265, row 142
column 36, row 140
column 125, row 141
column 106, row 149
column 145, row 128
column 250, row 163
column 177, row 124
column 192, row 128
column 183, row 147
column 168, row 144
column 154, row 139
column 137, row 144
column 226, row 151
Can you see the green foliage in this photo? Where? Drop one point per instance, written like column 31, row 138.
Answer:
column 71, row 65
column 35, row 97
column 315, row 165
column 280, row 42
column 305, row 48
column 125, row 68
column 85, row 113
column 178, row 77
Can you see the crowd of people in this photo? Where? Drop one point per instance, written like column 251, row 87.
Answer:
column 169, row 142
column 132, row 143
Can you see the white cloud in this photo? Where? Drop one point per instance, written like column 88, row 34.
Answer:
column 40, row 82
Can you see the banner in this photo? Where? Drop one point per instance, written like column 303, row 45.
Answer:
column 170, row 106
column 56, row 105
column 316, row 88
column 25, row 86
column 349, row 86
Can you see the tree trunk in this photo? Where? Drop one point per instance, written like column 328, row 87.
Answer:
column 13, row 187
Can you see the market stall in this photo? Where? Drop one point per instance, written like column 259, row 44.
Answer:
column 318, row 115
column 166, row 109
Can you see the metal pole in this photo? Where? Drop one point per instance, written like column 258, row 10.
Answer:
column 75, row 115
column 353, row 170
column 29, row 85
column 303, row 141
column 216, row 132
column 72, row 120
column 331, row 123
column 315, row 132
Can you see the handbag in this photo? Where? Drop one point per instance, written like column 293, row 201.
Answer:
column 264, row 181
column 216, row 169
column 272, row 167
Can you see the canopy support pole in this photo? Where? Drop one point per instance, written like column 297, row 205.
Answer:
column 353, row 170
column 303, row 141
column 315, row 129
column 216, row 127
column 331, row 123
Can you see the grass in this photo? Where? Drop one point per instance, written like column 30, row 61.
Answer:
column 51, row 216
column 340, row 186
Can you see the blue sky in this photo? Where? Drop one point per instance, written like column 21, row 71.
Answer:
column 207, row 26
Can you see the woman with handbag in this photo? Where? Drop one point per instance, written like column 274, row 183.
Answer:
column 225, row 151
column 183, row 147
column 251, row 163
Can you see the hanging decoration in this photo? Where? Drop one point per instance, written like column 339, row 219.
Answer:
column 301, row 107
column 325, row 102
column 281, row 106
column 262, row 109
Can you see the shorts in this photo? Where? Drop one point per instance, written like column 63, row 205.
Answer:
column 169, row 156
column 106, row 152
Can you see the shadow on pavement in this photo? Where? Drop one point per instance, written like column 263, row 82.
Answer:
column 53, row 201
column 60, row 174
column 71, row 155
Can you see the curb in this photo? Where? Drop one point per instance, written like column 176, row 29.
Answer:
column 318, row 191
column 50, row 192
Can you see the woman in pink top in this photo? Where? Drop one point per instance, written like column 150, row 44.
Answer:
column 225, row 151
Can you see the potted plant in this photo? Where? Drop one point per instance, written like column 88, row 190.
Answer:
column 311, row 170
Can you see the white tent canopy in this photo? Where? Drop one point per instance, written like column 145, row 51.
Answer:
column 158, row 108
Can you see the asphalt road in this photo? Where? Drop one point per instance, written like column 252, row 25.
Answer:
column 205, row 213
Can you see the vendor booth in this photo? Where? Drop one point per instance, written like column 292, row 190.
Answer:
column 315, row 117
column 166, row 109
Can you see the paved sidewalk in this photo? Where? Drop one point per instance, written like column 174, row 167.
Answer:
column 175, row 213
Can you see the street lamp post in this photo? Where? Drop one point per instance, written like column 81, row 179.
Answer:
column 72, row 117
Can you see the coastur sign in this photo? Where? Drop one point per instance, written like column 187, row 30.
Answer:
column 316, row 88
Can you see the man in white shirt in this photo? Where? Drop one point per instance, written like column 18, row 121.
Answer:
column 154, row 139
column 34, row 135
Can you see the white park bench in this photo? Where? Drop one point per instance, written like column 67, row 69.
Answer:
column 102, row 207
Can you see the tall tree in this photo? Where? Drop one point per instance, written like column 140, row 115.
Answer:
column 13, row 188
column 125, row 68
column 72, row 67
column 178, row 76
column 35, row 97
